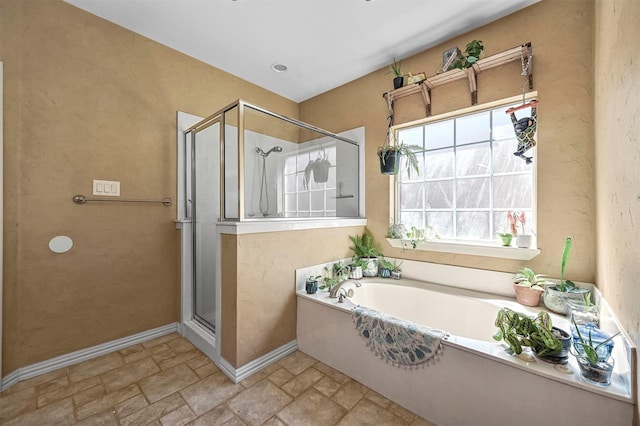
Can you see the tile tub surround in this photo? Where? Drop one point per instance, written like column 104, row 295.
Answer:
column 431, row 391
column 167, row 381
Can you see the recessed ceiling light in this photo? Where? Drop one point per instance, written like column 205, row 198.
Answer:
column 279, row 67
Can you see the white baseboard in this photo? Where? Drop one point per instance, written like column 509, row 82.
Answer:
column 239, row 374
column 76, row 357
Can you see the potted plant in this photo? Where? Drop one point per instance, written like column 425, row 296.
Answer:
column 356, row 268
column 396, row 273
column 311, row 285
column 470, row 56
column 396, row 69
column 529, row 287
column 396, row 230
column 366, row 249
column 506, row 238
column 320, row 169
column 555, row 297
column 549, row 343
column 596, row 365
column 523, row 240
column 583, row 312
column 390, row 154
column 384, row 268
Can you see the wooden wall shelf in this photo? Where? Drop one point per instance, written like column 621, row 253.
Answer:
column 493, row 61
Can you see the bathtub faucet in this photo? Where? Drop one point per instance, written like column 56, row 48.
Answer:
column 334, row 290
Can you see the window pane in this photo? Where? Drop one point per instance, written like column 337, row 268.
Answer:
column 412, row 136
column 303, row 201
column 439, row 194
column 290, row 202
column 473, row 225
column 441, row 223
column 331, row 200
column 410, row 219
column 503, row 159
column 472, row 128
column 290, row 183
column 512, row 192
column 410, row 196
column 473, row 160
column 502, row 127
column 290, row 164
column 317, row 200
column 439, row 135
column 402, row 171
column 439, row 164
column 473, row 193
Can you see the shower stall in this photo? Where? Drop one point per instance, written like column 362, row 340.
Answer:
column 247, row 165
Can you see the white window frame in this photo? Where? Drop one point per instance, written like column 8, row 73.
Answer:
column 323, row 188
column 457, row 246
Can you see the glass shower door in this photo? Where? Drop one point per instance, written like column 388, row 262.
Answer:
column 205, row 214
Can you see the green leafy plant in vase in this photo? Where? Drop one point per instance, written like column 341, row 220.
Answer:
column 555, row 297
column 391, row 155
column 470, row 56
column 396, row 69
column 529, row 286
column 594, row 358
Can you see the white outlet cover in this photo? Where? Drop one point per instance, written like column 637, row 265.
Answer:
column 107, row 188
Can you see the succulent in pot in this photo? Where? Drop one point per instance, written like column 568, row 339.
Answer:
column 596, row 365
column 529, row 286
column 396, row 69
column 311, row 284
column 555, row 297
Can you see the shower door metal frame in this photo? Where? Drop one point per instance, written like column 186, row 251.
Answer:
column 193, row 131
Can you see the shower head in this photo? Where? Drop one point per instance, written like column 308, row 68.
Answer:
column 274, row 149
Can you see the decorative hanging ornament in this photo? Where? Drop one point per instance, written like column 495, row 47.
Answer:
column 525, row 128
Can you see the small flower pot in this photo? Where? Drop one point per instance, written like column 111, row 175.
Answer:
column 389, row 162
column 372, row 267
column 561, row 356
column 311, row 287
column 598, row 373
column 524, row 240
column 384, row 272
column 355, row 272
column 396, row 275
column 398, row 82
column 527, row 296
column 506, row 239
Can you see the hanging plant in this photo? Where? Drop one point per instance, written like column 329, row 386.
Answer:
column 391, row 154
column 320, row 168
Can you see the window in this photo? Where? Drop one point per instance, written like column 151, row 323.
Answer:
column 469, row 177
column 316, row 199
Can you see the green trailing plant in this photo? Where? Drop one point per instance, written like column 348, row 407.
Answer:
column 401, row 151
column 415, row 237
column 527, row 278
column 363, row 246
column 470, row 56
column 587, row 349
column 313, row 278
column 338, row 272
column 518, row 330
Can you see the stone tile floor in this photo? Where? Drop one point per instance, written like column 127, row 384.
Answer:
column 167, row 381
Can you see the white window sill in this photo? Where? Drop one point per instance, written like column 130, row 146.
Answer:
column 468, row 247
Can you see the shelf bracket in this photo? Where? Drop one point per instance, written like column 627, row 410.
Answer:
column 473, row 85
column 426, row 97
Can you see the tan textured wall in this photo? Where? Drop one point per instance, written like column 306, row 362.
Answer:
column 562, row 37
column 266, row 283
column 85, row 99
column 229, row 297
column 617, row 140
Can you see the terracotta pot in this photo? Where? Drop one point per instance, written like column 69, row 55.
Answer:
column 526, row 296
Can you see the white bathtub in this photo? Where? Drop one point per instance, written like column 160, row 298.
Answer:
column 475, row 382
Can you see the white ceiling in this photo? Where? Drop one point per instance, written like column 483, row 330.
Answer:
column 324, row 43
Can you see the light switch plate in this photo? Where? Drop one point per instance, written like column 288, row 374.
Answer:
column 109, row 188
